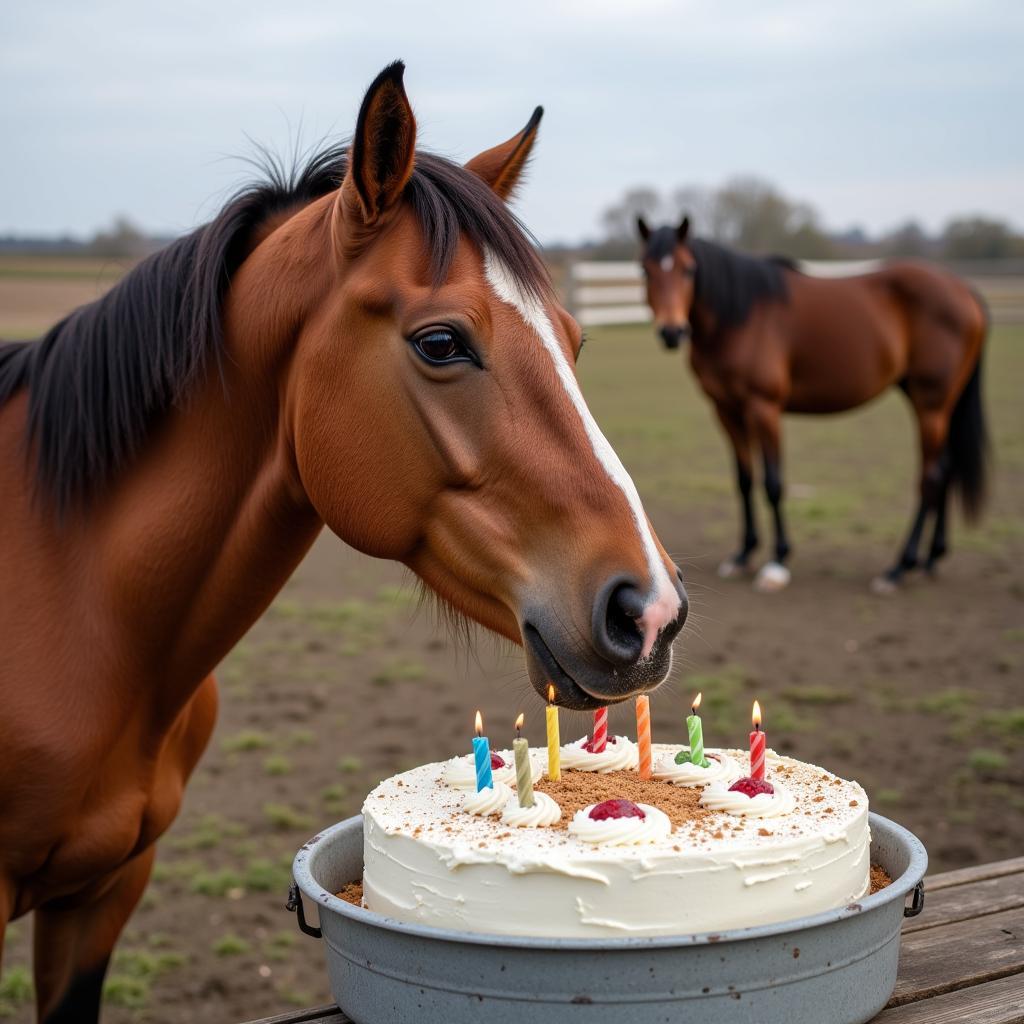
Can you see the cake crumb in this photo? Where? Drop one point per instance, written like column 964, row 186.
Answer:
column 763, row 832
column 717, row 835
column 879, row 878
column 352, row 893
column 853, row 803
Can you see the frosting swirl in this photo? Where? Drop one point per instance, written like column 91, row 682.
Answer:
column 722, row 768
column 616, row 757
column 543, row 812
column 621, row 831
column 718, row 797
column 487, row 801
column 460, row 772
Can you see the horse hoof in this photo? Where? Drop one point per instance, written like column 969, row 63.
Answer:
column 730, row 569
column 772, row 577
column 884, row 586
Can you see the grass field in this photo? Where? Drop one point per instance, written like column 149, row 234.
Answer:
column 343, row 682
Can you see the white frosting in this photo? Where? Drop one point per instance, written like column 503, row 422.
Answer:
column 460, row 772
column 487, row 801
column 621, row 831
column 721, row 768
column 428, row 861
column 543, row 812
column 719, row 797
column 616, row 757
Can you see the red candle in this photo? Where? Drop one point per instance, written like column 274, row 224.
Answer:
column 757, row 744
column 600, row 738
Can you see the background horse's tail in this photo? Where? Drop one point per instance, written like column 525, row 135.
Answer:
column 968, row 439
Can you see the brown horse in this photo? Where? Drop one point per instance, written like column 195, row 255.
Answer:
column 372, row 344
column 767, row 339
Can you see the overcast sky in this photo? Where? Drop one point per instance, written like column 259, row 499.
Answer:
column 873, row 112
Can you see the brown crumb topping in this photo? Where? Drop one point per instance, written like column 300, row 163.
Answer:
column 576, row 790
column 352, row 893
column 879, row 879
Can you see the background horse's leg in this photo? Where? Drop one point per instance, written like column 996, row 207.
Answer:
column 933, row 425
column 938, row 546
column 766, row 420
column 736, row 428
column 72, row 945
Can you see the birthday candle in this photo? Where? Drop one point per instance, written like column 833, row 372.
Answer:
column 554, row 759
column 524, row 772
column 482, row 756
column 600, row 739
column 643, row 734
column 696, row 732
column 757, row 745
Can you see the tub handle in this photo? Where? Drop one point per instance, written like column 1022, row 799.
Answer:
column 917, row 902
column 294, row 904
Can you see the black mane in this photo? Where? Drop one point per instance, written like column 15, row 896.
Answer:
column 101, row 378
column 727, row 282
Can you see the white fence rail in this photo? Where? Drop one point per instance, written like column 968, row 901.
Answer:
column 612, row 291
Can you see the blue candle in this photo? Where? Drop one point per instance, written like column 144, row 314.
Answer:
column 482, row 756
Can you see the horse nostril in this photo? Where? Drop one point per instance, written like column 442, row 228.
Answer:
column 616, row 634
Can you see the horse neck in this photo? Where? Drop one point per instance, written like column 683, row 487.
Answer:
column 203, row 531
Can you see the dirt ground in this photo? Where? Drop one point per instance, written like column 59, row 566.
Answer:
column 343, row 681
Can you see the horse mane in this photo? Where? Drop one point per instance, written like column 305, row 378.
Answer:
column 102, row 378
column 727, row 282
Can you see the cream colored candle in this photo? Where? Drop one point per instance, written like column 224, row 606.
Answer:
column 554, row 741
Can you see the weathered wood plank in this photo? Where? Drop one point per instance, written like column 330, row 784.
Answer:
column 316, row 1015
column 965, row 902
column 948, row 957
column 976, row 873
column 995, row 1002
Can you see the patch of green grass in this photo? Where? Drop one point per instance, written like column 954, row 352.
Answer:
column 953, row 702
column 350, row 764
column 230, row 945
column 280, row 945
column 888, row 797
column 217, row 883
column 301, row 738
column 264, row 876
column 210, row 831
column 246, row 740
column 285, row 818
column 125, row 991
column 277, row 764
column 16, row 987
column 984, row 761
column 1009, row 722
column 785, row 719
column 1015, row 634
column 399, row 670
column 817, row 695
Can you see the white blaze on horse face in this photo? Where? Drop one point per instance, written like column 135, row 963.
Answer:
column 663, row 603
column 667, row 262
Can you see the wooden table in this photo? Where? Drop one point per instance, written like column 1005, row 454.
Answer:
column 961, row 959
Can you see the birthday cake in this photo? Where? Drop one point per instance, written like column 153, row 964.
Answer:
column 603, row 851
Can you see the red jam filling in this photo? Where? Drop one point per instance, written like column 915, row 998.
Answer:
column 751, row 787
column 615, row 809
column 497, row 761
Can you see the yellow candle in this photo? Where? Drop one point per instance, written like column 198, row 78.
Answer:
column 554, row 764
column 643, row 734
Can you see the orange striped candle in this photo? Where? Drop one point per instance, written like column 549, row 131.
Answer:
column 643, row 734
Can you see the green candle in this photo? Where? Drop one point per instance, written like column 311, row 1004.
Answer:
column 524, row 771
column 696, row 732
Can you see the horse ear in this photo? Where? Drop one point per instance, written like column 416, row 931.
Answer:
column 683, row 230
column 502, row 167
column 383, row 147
column 645, row 231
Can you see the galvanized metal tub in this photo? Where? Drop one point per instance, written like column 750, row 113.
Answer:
column 837, row 967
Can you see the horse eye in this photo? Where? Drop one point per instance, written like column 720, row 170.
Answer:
column 441, row 345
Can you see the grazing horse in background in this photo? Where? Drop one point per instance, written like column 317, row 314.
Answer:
column 372, row 344
column 767, row 339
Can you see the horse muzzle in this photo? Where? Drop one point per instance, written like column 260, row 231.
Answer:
column 607, row 667
column 673, row 336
